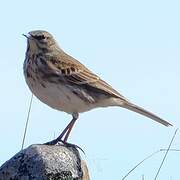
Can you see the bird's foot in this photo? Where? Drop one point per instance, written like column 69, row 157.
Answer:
column 58, row 141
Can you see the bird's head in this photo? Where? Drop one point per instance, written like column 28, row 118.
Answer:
column 40, row 40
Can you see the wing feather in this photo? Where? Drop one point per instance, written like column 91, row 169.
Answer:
column 72, row 71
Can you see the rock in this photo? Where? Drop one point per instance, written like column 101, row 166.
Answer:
column 45, row 162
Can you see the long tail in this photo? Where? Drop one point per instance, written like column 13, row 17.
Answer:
column 144, row 112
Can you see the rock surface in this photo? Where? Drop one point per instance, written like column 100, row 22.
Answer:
column 45, row 162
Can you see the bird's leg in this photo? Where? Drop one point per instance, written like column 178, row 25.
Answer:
column 65, row 132
column 70, row 128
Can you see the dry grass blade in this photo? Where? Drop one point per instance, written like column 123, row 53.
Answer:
column 165, row 154
column 139, row 164
column 148, row 157
column 170, row 149
column 143, row 177
column 27, row 121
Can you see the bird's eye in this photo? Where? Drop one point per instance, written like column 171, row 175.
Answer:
column 40, row 37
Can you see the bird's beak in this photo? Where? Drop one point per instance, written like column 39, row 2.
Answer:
column 26, row 36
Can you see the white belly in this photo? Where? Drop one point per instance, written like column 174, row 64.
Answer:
column 58, row 97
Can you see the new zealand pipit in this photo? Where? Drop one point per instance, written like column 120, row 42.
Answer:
column 65, row 84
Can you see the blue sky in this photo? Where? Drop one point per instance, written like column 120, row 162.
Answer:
column 134, row 46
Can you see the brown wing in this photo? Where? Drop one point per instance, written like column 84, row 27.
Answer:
column 74, row 72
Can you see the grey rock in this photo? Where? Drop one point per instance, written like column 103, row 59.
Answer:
column 45, row 162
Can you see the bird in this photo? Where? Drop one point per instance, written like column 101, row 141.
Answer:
column 63, row 83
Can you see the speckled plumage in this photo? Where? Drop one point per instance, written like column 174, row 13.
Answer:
column 63, row 83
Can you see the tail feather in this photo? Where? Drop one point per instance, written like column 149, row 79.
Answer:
column 144, row 112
